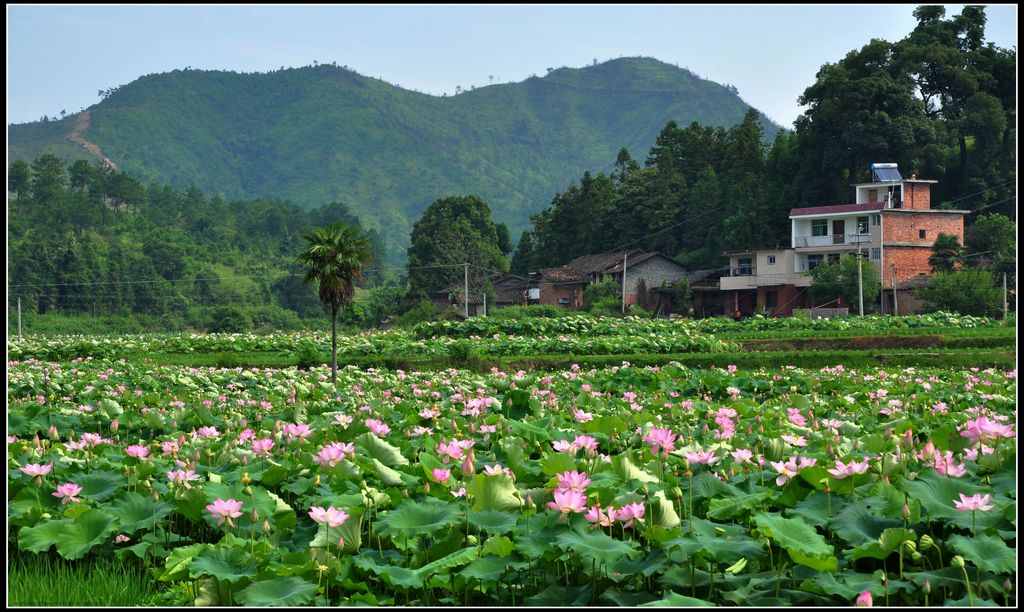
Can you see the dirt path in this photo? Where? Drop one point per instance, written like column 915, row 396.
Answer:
column 75, row 136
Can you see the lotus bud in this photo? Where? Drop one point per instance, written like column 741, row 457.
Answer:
column 906, row 511
column 426, row 487
column 266, row 525
column 1008, row 585
column 53, row 432
column 113, row 425
column 467, row 466
column 247, row 490
column 926, row 542
column 908, row 438
column 156, row 496
column 927, row 587
column 255, row 515
column 341, row 543
column 244, row 459
column 958, row 561
column 316, row 481
column 245, row 478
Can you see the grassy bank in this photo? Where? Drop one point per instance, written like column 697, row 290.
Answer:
column 48, row 580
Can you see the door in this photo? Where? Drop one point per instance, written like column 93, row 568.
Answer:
column 839, row 231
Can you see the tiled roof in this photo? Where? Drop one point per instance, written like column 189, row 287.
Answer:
column 837, row 209
column 580, row 269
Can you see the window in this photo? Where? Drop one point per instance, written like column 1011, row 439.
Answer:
column 819, row 227
column 833, row 256
column 876, row 253
column 876, row 220
column 771, row 260
column 814, row 260
column 872, row 195
column 771, row 299
column 744, row 267
column 862, row 225
column 920, row 234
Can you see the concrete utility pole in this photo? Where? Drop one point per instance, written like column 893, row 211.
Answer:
column 1006, row 307
column 624, row 283
column 19, row 308
column 467, row 289
column 895, row 306
column 484, row 293
column 860, row 281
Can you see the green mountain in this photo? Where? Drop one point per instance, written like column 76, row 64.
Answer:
column 318, row 134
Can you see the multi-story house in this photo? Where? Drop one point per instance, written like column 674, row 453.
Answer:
column 891, row 223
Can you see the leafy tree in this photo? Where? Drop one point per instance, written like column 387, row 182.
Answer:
column 229, row 319
column 453, row 231
column 49, row 178
column 991, row 243
column 335, row 256
column 835, row 279
column 602, row 296
column 18, row 177
column 946, row 253
column 970, row 292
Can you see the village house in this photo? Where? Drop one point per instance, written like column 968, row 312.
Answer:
column 891, row 223
column 648, row 275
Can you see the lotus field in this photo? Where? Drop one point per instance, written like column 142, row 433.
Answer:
column 612, row 486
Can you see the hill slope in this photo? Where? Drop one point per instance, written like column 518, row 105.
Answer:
column 325, row 133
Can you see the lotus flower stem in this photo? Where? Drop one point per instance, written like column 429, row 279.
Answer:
column 967, row 583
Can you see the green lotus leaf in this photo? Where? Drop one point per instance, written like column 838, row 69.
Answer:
column 556, row 463
column 494, row 493
column 413, row 518
column 674, row 599
column 529, row 431
column 88, row 530
column 494, row 522
column 287, row 591
column 860, row 527
column 624, row 469
column 455, row 559
column 729, row 507
column 43, row 535
column 501, row 546
column 795, row 536
column 381, row 450
column 100, row 485
column 136, row 511
column 229, row 564
column 597, row 546
column 558, row 596
column 628, row 599
column 987, row 552
column 177, row 563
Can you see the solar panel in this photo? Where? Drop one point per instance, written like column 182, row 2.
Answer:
column 885, row 173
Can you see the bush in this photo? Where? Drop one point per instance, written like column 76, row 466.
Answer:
column 536, row 311
column 310, row 356
column 229, row 319
column 274, row 318
column 422, row 311
column 969, row 292
column 598, row 294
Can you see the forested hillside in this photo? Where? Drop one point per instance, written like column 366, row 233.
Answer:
column 319, row 134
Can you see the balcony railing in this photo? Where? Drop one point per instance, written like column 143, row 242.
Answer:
column 743, row 271
column 831, row 240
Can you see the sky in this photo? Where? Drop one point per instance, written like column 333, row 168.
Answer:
column 60, row 57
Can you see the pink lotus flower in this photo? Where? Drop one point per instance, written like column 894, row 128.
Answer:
column 67, row 492
column 983, row 430
column 581, row 416
column 587, row 443
column 294, row 431
column 496, row 469
column 225, row 509
column 451, row 450
column 568, row 501
column 460, row 493
column 629, row 513
column 564, row 446
column 332, row 454
column 786, row 470
column 794, row 440
column 121, row 538
column 137, row 451
column 843, row 470
column 742, row 455
column 599, row 517
column 974, row 502
column 182, row 477
column 661, row 439
column 705, row 457
column 377, row 427
column 342, row 419
column 37, row 470
column 440, row 474
column 334, row 517
column 262, row 447
column 864, row 599
column 574, row 481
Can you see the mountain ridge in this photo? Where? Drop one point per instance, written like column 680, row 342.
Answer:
column 323, row 133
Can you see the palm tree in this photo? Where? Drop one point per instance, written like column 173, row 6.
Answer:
column 336, row 255
column 946, row 253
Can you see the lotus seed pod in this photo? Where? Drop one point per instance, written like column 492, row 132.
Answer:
column 247, row 490
column 926, row 542
column 916, row 556
column 958, row 561
column 245, row 478
column 910, row 545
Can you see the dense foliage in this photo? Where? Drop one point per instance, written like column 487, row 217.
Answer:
column 322, row 133
column 86, row 238
column 617, row 486
column 940, row 102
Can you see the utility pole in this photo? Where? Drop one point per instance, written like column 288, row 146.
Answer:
column 860, row 280
column 484, row 293
column 1006, row 307
column 19, row 308
column 895, row 306
column 624, row 283
column 467, row 289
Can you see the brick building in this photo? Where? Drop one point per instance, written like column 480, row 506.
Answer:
column 891, row 222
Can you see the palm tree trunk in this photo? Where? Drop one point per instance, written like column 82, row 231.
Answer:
column 334, row 345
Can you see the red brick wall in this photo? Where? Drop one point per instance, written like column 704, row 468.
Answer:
column 917, row 196
column 911, row 260
column 550, row 293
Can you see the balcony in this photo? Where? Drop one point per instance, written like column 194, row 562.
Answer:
column 751, row 280
column 836, row 240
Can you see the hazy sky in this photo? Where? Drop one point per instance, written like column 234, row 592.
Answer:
column 58, row 57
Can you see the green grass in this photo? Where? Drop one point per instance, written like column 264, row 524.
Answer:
column 47, row 580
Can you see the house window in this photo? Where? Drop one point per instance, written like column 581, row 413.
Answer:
column 814, row 260
column 876, row 253
column 819, row 227
column 876, row 220
column 833, row 256
column 862, row 225
column 771, row 299
column 745, row 267
column 771, row 260
column 872, row 195
column 920, row 234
